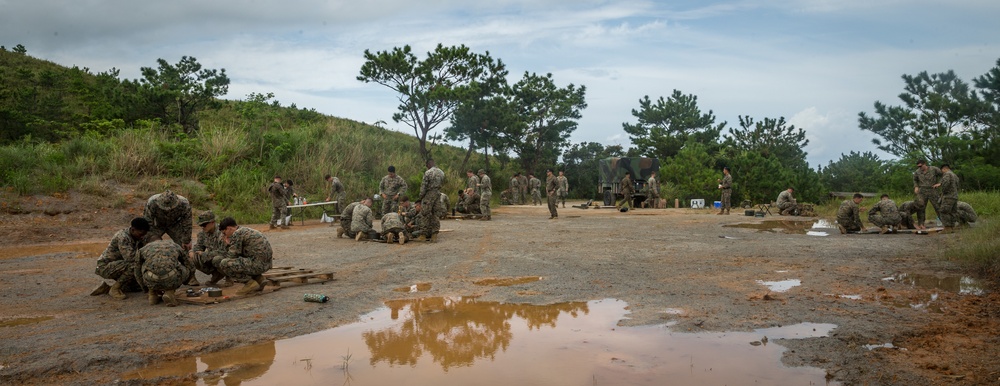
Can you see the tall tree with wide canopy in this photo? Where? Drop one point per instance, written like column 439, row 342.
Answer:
column 180, row 91
column 548, row 116
column 580, row 162
column 485, row 116
column 856, row 172
column 664, row 126
column 766, row 157
column 428, row 90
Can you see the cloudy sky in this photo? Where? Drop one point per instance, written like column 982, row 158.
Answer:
column 816, row 62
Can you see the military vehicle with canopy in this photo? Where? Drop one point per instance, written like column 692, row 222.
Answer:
column 613, row 170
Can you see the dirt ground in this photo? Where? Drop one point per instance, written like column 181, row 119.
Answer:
column 54, row 333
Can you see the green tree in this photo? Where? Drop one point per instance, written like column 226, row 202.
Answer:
column 179, row 91
column 667, row 125
column 429, row 90
column 691, row 171
column 580, row 164
column 485, row 116
column 766, row 157
column 548, row 116
column 856, row 172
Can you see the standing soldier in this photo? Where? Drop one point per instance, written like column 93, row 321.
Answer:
column 163, row 270
column 472, row 182
column 906, row 211
column 627, row 189
column 949, row 197
column 430, row 198
column 884, row 215
column 361, row 223
column 536, row 189
column 337, row 192
column 653, row 187
column 391, row 188
column 551, row 186
column 563, row 187
column 522, row 183
column 925, row 184
column 849, row 215
column 515, row 189
column 277, row 192
column 485, row 194
column 207, row 247
column 247, row 256
column 170, row 213
column 726, row 185
column 119, row 261
column 289, row 198
column 786, row 203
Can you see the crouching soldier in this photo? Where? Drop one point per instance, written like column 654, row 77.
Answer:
column 849, row 215
column 119, row 260
column 345, row 220
column 207, row 249
column 361, row 224
column 964, row 213
column 884, row 215
column 163, row 270
column 906, row 211
column 247, row 256
column 393, row 228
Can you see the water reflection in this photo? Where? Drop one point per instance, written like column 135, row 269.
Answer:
column 777, row 226
column 230, row 367
column 959, row 284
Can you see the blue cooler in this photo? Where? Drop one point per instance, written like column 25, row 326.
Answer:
column 718, row 204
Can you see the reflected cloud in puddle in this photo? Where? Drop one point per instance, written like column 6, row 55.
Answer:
column 797, row 227
column 419, row 287
column 780, row 286
column 462, row 341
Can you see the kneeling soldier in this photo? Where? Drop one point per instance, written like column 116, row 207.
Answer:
column 247, row 256
column 163, row 270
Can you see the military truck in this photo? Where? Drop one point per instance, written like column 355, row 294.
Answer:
column 613, row 170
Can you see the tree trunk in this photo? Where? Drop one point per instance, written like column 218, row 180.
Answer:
column 468, row 153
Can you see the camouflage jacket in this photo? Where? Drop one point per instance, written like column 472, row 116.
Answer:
column 433, row 179
column 122, row 247
column 849, row 210
column 626, row 186
column 727, row 181
column 179, row 215
column 248, row 243
column 277, row 192
column 653, row 187
column 444, row 205
column 210, row 242
column 391, row 186
column 348, row 212
column 563, row 185
column 785, row 198
column 515, row 183
column 534, row 183
column 392, row 222
column 473, row 183
column 965, row 211
column 336, row 187
column 922, row 179
column 907, row 208
column 471, row 201
column 886, row 207
column 551, row 185
column 161, row 262
column 522, row 182
column 485, row 186
column 949, row 185
column 361, row 220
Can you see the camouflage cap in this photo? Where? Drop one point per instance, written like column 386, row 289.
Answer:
column 482, row 171
column 206, row 218
column 167, row 200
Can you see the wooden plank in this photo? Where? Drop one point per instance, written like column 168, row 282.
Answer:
column 301, row 279
column 272, row 282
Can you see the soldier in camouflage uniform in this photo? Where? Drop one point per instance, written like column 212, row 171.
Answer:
column 170, row 213
column 786, row 203
column 430, row 198
column 391, row 188
column 949, row 197
column 163, row 270
column 906, row 211
column 485, row 189
column 472, row 181
column 884, row 215
column 726, row 186
column 290, row 195
column 653, row 191
column 337, row 192
column 345, row 220
column 415, row 224
column 627, row 189
column 964, row 214
column 925, row 184
column 394, row 223
column 247, row 256
column 278, row 204
column 849, row 215
column 506, row 197
column 119, row 261
column 444, row 205
column 522, row 183
column 207, row 247
column 551, row 186
column 361, row 223
column 563, row 187
column 536, row 189
column 468, row 202
column 515, row 189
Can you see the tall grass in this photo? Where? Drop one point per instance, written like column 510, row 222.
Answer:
column 978, row 248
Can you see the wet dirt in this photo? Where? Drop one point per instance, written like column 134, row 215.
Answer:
column 676, row 270
column 507, row 281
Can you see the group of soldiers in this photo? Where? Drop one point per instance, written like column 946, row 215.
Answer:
column 521, row 187
column 938, row 186
column 137, row 259
column 281, row 193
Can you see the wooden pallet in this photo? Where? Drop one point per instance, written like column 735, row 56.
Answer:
column 273, row 280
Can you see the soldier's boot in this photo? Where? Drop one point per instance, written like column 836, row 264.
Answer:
column 402, row 238
column 193, row 281
column 169, row 298
column 843, row 230
column 101, row 289
column 249, row 288
column 260, row 280
column 727, row 211
column 116, row 291
column 154, row 298
column 883, row 229
column 721, row 211
column 226, row 283
column 422, row 238
column 340, row 232
column 360, row 236
column 433, row 237
column 388, row 238
column 214, row 280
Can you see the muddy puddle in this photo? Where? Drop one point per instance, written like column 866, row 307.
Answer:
column 419, row 287
column 77, row 250
column 507, row 281
column 463, row 341
column 780, row 285
column 796, row 227
column 23, row 321
column 951, row 283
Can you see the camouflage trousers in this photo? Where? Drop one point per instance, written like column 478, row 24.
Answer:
column 484, row 203
column 341, row 198
column 552, row 205
column 389, row 205
column 396, row 231
column 906, row 221
column 927, row 194
column 241, row 269
column 536, row 197
column 431, row 224
column 205, row 262
column 791, row 207
column 726, row 194
column 653, row 201
column 852, row 225
column 278, row 214
column 947, row 211
column 176, row 233
column 118, row 270
column 345, row 224
column 626, row 201
column 524, row 196
column 562, row 197
column 880, row 220
column 164, row 276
